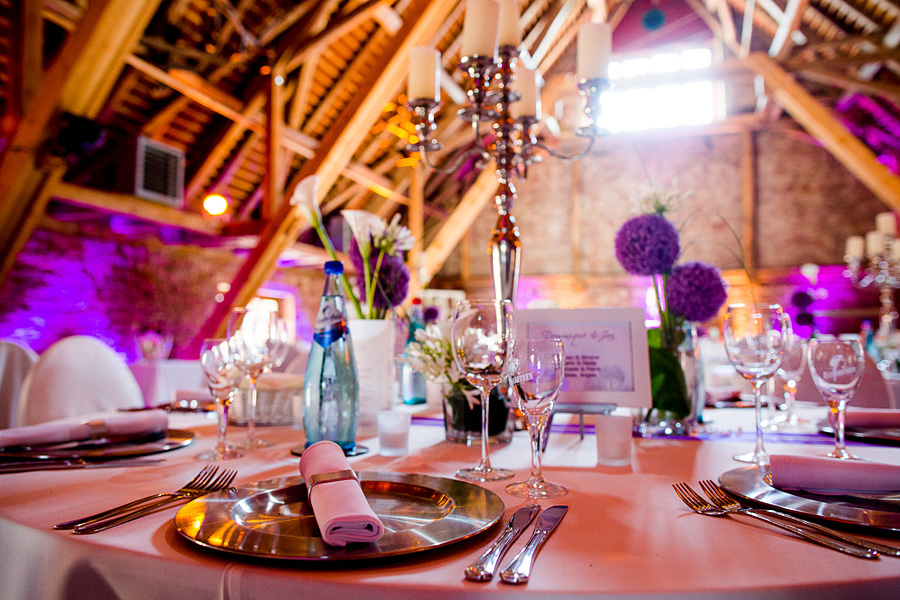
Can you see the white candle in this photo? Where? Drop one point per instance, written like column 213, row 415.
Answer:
column 509, row 23
column 855, row 247
column 530, row 104
column 874, row 242
column 594, row 48
column 480, row 28
column 886, row 223
column 424, row 73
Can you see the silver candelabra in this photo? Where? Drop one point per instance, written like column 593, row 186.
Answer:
column 512, row 146
column 879, row 268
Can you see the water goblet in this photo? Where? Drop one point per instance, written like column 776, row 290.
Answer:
column 251, row 333
column 536, row 371
column 791, row 370
column 836, row 367
column 223, row 376
column 479, row 337
column 756, row 339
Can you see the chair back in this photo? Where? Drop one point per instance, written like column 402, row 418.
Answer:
column 77, row 375
column 873, row 390
column 15, row 362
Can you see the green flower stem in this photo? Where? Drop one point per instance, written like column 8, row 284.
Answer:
column 370, row 287
column 348, row 291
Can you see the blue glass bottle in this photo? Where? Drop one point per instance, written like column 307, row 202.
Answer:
column 330, row 384
column 412, row 383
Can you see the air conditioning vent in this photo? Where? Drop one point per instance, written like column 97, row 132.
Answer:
column 159, row 173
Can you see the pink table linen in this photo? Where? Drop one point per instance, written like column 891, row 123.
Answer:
column 134, row 424
column 626, row 533
column 832, row 476
column 340, row 507
column 871, row 417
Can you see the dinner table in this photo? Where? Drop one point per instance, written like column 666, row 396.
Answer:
column 626, row 533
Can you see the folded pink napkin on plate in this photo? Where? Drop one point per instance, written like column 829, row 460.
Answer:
column 870, row 417
column 821, row 475
column 340, row 507
column 131, row 424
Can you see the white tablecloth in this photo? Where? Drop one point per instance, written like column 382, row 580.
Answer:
column 626, row 533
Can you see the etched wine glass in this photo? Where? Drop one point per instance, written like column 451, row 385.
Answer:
column 756, row 339
column 536, row 371
column 251, row 333
column 223, row 376
column 836, row 367
column 480, row 337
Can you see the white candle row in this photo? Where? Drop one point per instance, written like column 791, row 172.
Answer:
column 488, row 22
column 875, row 241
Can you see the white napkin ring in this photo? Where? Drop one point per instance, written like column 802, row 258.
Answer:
column 99, row 429
column 329, row 477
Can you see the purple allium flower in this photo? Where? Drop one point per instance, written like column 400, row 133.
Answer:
column 647, row 245
column 431, row 314
column 695, row 291
column 393, row 278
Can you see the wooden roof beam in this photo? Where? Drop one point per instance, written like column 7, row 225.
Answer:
column 783, row 41
column 133, row 206
column 78, row 81
column 421, row 21
column 819, row 121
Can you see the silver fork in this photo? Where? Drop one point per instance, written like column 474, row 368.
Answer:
column 727, row 502
column 219, row 483
column 701, row 506
column 201, row 479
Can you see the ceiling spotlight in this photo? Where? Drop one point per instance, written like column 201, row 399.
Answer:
column 215, row 204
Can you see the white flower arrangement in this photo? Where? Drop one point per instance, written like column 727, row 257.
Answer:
column 432, row 355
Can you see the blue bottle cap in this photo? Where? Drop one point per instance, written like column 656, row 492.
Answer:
column 334, row 267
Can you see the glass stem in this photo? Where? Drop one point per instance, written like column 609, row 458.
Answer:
column 791, row 398
column 485, row 458
column 251, row 410
column 757, row 398
column 222, row 416
column 839, row 408
column 536, row 431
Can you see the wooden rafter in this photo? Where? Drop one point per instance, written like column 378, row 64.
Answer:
column 783, row 41
column 420, row 23
column 820, row 122
column 78, row 81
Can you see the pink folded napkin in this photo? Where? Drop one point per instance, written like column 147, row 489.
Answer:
column 870, row 417
column 120, row 425
column 340, row 507
column 821, row 475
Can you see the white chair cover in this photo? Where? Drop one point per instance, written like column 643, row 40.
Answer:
column 75, row 376
column 15, row 361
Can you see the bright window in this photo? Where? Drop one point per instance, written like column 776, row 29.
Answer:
column 657, row 107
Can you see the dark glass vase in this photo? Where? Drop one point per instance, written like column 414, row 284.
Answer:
column 462, row 423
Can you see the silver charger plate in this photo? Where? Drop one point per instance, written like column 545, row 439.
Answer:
column 872, row 435
column 856, row 510
column 104, row 449
column 272, row 519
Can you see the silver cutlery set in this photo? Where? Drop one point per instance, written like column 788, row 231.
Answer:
column 723, row 504
column 207, row 481
column 519, row 569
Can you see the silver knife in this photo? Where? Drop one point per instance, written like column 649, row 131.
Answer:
column 519, row 569
column 64, row 464
column 483, row 568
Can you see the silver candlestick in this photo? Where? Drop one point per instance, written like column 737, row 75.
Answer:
column 512, row 146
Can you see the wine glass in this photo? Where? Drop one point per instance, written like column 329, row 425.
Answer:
column 756, row 339
column 479, row 338
column 536, row 371
column 791, row 370
column 223, row 376
column 836, row 367
column 251, row 333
